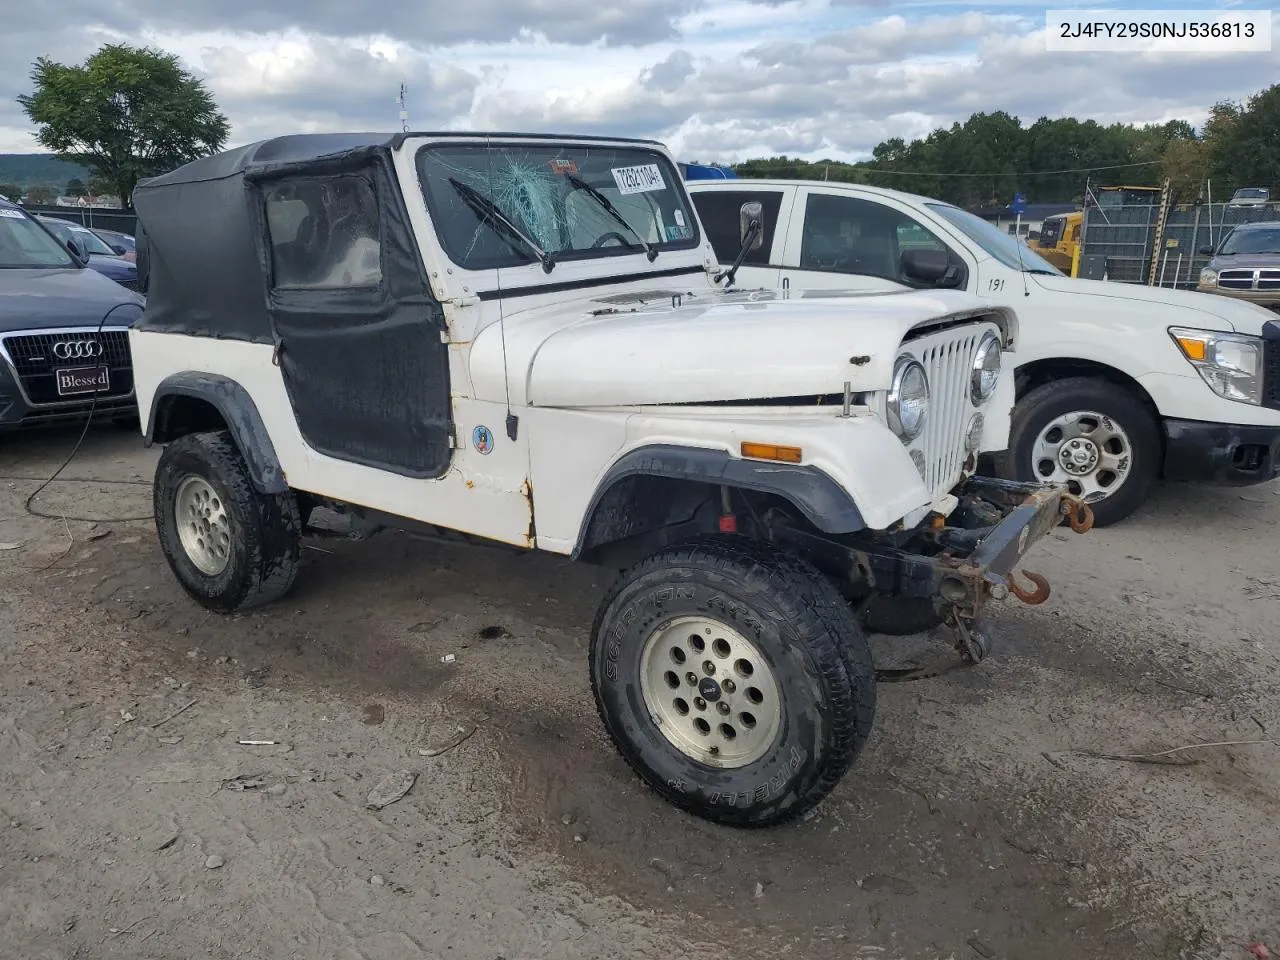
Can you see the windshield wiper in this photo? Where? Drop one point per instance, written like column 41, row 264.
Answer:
column 609, row 208
column 484, row 205
column 1038, row 270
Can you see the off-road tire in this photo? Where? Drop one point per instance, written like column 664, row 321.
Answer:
column 899, row 616
column 802, row 626
column 1051, row 400
column 266, row 541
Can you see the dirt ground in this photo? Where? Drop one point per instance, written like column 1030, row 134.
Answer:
column 134, row 822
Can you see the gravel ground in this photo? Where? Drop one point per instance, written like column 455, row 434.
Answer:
column 135, row 823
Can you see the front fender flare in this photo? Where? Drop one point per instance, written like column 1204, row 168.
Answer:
column 238, row 411
column 822, row 501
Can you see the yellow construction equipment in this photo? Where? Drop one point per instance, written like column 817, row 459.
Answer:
column 1059, row 241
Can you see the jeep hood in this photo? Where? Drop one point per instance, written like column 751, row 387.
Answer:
column 670, row 348
column 1216, row 312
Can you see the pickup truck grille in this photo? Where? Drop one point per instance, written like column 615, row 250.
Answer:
column 1271, row 374
column 1267, row 278
column 37, row 357
column 947, row 359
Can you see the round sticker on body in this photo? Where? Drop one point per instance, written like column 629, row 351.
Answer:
column 482, row 439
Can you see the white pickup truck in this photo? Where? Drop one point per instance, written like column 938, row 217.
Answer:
column 1118, row 385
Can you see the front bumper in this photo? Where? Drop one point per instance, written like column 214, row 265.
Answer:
column 959, row 562
column 1229, row 454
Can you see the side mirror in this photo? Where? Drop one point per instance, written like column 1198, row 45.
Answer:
column 751, row 212
column 929, row 266
column 1207, row 249
column 119, row 249
column 74, row 247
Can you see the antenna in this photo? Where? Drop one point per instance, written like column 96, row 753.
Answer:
column 1017, row 245
column 404, row 107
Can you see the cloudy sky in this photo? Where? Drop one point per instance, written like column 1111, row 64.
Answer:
column 716, row 79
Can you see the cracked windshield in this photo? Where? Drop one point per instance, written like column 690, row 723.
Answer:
column 511, row 205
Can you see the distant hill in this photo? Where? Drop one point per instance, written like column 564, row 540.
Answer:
column 31, row 169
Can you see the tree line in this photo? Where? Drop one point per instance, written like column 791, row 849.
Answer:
column 992, row 156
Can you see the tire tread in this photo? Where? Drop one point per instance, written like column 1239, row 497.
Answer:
column 819, row 615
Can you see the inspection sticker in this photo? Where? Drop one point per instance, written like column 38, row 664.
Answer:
column 644, row 178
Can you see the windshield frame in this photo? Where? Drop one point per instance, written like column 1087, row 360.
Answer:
column 1272, row 230
column 573, row 156
column 60, row 257
column 1003, row 247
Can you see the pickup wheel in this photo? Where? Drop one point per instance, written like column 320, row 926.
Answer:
column 229, row 546
column 733, row 678
column 1093, row 436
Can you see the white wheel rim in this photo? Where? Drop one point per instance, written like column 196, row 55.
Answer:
column 1086, row 450
column 710, row 691
column 204, row 529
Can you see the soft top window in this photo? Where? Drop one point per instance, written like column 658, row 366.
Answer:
column 324, row 233
column 546, row 191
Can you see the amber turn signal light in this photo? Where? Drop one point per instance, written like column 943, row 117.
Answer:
column 771, row 451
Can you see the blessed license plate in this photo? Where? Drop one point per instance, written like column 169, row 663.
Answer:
column 73, row 381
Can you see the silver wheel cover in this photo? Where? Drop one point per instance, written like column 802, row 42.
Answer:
column 204, row 529
column 710, row 691
column 1086, row 450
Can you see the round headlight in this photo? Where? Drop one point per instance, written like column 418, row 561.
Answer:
column 908, row 405
column 1208, row 278
column 986, row 370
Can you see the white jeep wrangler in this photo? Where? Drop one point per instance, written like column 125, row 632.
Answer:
column 518, row 339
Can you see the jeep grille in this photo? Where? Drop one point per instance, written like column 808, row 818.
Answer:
column 947, row 357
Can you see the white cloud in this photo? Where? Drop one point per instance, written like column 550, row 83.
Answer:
column 717, row 79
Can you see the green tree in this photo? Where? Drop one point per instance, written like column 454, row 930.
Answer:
column 1245, row 140
column 75, row 187
column 125, row 113
column 10, row 190
column 99, row 186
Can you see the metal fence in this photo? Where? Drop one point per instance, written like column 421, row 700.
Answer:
column 119, row 220
column 1119, row 242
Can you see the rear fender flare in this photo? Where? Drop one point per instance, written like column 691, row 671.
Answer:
column 238, row 412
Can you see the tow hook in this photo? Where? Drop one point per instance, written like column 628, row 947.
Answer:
column 1078, row 513
column 1035, row 596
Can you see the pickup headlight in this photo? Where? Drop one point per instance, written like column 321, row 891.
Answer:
column 986, row 370
column 1230, row 363
column 1208, row 278
column 908, row 401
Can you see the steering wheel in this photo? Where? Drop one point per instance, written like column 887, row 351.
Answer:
column 612, row 234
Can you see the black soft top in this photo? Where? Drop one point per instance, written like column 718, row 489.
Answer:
column 307, row 148
column 202, row 263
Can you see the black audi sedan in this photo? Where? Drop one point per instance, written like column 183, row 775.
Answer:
column 64, row 342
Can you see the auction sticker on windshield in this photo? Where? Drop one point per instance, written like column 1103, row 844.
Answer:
column 644, row 178
column 13, row 214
